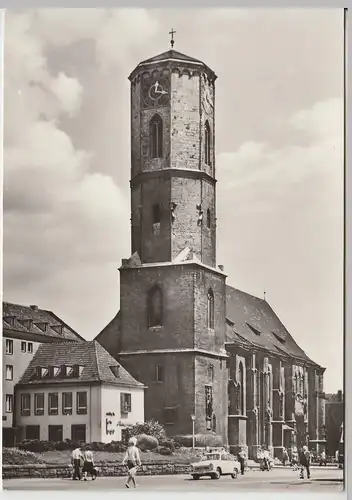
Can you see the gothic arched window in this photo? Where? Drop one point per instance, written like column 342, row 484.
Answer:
column 210, row 309
column 211, row 373
column 156, row 213
column 207, row 143
column 208, row 218
column 156, row 136
column 155, row 307
column 241, row 388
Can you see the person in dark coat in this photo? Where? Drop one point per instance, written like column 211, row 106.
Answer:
column 304, row 461
column 242, row 459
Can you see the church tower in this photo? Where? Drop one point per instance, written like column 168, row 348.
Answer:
column 172, row 297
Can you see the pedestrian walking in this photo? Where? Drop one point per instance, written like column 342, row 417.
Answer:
column 294, row 459
column 304, row 461
column 76, row 463
column 242, row 459
column 132, row 460
column 323, row 458
column 266, row 458
column 285, row 457
column 88, row 464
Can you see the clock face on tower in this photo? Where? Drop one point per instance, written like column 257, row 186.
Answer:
column 155, row 91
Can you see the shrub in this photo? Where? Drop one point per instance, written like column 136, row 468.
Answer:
column 15, row 456
column 36, row 446
column 201, row 440
column 113, row 447
column 164, row 451
column 150, row 428
column 97, row 446
column 145, row 442
column 168, row 443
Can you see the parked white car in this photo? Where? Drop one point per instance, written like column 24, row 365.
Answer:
column 215, row 465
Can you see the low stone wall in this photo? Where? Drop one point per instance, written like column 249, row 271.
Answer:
column 54, row 470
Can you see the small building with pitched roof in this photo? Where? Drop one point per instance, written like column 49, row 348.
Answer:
column 77, row 391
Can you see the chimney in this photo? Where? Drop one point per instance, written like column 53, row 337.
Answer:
column 221, row 267
column 339, row 395
column 35, row 308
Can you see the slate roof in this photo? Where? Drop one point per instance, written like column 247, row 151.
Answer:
column 39, row 317
column 171, row 55
column 252, row 322
column 96, row 362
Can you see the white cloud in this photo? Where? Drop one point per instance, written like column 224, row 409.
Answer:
column 254, row 163
column 69, row 92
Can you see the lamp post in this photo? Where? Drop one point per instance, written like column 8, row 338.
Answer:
column 193, row 417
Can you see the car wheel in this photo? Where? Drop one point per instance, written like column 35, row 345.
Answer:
column 195, row 476
column 234, row 474
column 217, row 474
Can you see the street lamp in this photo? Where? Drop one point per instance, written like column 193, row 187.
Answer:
column 193, row 417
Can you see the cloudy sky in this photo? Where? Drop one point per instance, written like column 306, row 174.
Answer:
column 279, row 99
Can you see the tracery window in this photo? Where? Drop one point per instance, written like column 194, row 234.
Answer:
column 210, row 309
column 208, row 219
column 156, row 136
column 207, row 143
column 240, row 381
column 155, row 307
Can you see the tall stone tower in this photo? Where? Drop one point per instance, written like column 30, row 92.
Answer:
column 172, row 300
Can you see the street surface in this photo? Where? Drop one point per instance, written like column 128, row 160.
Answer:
column 324, row 480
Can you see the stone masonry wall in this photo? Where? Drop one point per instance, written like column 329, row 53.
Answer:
column 210, row 117
column 220, row 398
column 186, row 232
column 177, row 285
column 155, row 245
column 177, row 390
column 185, row 121
column 205, row 338
column 52, row 471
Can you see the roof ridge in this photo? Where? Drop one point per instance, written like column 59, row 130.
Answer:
column 246, row 293
column 96, row 359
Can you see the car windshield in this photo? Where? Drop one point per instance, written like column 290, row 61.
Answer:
column 210, row 456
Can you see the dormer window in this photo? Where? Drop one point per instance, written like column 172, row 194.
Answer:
column 69, row 371
column 42, row 326
column 58, row 328
column 44, row 372
column 27, row 323
column 80, row 370
column 10, row 320
column 56, row 371
column 115, row 370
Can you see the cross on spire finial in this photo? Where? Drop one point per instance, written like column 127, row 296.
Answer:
column 172, row 32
